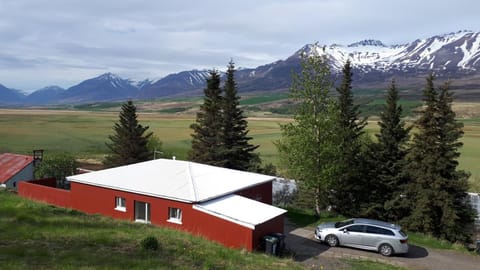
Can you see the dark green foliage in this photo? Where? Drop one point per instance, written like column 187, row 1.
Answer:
column 238, row 152
column 309, row 146
column 58, row 166
column 207, row 137
column 349, row 190
column 437, row 192
column 149, row 243
column 129, row 141
column 386, row 163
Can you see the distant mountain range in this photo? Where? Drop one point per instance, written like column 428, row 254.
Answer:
column 453, row 56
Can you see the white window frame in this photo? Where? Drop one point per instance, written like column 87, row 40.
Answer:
column 174, row 215
column 120, row 204
column 147, row 213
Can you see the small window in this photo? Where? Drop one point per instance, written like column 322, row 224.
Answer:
column 120, row 204
column 175, row 215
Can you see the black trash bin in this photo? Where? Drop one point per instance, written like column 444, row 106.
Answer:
column 281, row 243
column 270, row 244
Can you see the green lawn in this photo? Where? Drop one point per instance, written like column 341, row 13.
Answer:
column 84, row 133
column 38, row 236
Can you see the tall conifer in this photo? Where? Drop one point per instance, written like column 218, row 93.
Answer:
column 349, row 193
column 207, row 137
column 238, row 152
column 388, row 160
column 437, row 192
column 129, row 142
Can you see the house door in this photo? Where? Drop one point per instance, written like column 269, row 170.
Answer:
column 142, row 212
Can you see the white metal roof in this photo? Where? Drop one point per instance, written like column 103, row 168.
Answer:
column 173, row 179
column 240, row 210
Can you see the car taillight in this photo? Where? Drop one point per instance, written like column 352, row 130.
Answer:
column 404, row 241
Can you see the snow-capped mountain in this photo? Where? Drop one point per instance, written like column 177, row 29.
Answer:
column 453, row 56
column 106, row 87
column 173, row 84
column 45, row 95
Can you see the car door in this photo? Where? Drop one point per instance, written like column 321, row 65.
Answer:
column 372, row 236
column 352, row 235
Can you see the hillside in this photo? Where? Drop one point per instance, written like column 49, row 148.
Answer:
column 38, row 236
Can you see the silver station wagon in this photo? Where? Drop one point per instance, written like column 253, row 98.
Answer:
column 369, row 234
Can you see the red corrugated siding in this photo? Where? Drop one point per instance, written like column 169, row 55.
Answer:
column 274, row 225
column 36, row 191
column 261, row 193
column 220, row 230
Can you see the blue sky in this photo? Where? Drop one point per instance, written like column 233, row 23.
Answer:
column 62, row 42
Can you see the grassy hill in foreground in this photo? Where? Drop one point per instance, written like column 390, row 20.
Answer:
column 38, row 236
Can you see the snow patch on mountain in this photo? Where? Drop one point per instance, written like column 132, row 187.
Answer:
column 430, row 53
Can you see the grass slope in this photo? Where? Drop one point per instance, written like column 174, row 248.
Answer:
column 37, row 236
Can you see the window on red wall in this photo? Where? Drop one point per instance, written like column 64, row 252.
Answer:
column 175, row 215
column 142, row 212
column 120, row 204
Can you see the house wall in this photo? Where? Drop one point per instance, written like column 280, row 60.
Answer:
column 261, row 193
column 220, row 230
column 98, row 200
column 103, row 202
column 44, row 190
column 274, row 225
column 25, row 174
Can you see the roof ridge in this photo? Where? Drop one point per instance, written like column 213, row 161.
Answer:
column 192, row 182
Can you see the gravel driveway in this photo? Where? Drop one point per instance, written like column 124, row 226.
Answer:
column 306, row 249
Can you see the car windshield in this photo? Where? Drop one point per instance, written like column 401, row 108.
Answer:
column 343, row 223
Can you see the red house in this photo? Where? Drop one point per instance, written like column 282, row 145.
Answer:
column 228, row 206
column 15, row 168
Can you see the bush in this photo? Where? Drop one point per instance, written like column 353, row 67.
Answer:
column 149, row 243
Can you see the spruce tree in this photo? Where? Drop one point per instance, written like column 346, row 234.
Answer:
column 438, row 190
column 129, row 141
column 349, row 192
column 238, row 152
column 207, row 137
column 387, row 162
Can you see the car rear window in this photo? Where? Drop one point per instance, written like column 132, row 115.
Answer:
column 402, row 233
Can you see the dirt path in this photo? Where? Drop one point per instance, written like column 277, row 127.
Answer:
column 306, row 249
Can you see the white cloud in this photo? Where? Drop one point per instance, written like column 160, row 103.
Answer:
column 61, row 42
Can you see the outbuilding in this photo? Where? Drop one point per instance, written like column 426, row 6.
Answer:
column 15, row 168
column 228, row 206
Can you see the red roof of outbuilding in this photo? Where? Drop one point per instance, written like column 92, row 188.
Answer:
column 11, row 164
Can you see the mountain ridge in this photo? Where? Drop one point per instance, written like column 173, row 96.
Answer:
column 454, row 55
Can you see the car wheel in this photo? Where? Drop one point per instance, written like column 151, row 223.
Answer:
column 385, row 250
column 331, row 240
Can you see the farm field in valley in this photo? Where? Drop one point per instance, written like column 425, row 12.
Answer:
column 84, row 134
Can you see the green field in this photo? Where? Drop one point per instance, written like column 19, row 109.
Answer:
column 84, row 134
